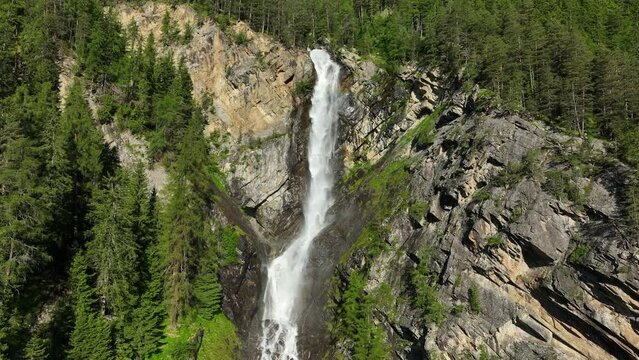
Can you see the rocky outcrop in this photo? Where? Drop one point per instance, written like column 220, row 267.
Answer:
column 250, row 83
column 498, row 229
column 555, row 269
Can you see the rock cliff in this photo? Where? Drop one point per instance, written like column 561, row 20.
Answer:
column 500, row 207
column 521, row 227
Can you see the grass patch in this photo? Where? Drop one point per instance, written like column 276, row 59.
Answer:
column 482, row 195
column 512, row 173
column 494, row 241
column 580, row 253
column 303, row 87
column 422, row 135
column 240, row 38
column 474, row 301
column 356, row 174
column 219, row 341
column 230, row 236
column 417, row 210
column 372, row 240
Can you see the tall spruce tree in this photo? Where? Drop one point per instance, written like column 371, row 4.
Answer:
column 114, row 250
column 91, row 336
column 76, row 167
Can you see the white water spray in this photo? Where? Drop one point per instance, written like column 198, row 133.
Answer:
column 286, row 273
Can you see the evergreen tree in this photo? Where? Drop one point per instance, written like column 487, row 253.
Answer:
column 38, row 347
column 23, row 211
column 353, row 316
column 105, row 49
column 76, row 167
column 206, row 288
column 91, row 336
column 114, row 249
column 145, row 333
column 186, row 231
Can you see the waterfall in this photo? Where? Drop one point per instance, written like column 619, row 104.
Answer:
column 286, row 273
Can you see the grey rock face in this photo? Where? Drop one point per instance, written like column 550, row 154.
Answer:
column 490, row 217
column 535, row 301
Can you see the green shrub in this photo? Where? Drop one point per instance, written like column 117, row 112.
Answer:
column 473, row 300
column 484, row 354
column 417, row 210
column 230, row 239
column 158, row 144
column 579, row 254
column 457, row 281
column 513, row 173
column 562, row 185
column 240, row 38
column 482, row 195
column 223, row 21
column 187, row 34
column 107, row 109
column 458, row 309
column 303, row 87
column 494, row 241
column 424, row 280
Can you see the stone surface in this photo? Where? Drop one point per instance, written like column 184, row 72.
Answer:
column 535, row 303
column 251, row 84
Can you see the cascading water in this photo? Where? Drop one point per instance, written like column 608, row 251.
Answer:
column 286, row 272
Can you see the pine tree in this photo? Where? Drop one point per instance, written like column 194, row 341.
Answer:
column 77, row 165
column 114, row 249
column 146, row 330
column 145, row 333
column 169, row 31
column 186, row 231
column 23, row 212
column 37, row 348
column 91, row 336
column 105, row 48
column 206, row 288
column 354, row 324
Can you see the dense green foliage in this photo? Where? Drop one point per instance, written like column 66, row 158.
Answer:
column 424, row 282
column 579, row 254
column 569, row 61
column 353, row 323
column 474, row 300
column 92, row 266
